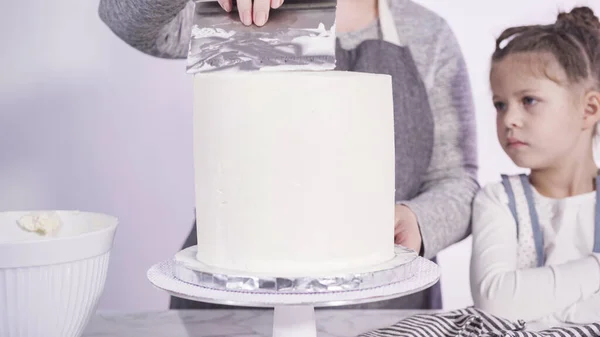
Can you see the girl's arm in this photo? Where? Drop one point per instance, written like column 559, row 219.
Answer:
column 584, row 312
column 501, row 289
column 159, row 28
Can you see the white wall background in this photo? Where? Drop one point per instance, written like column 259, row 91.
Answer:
column 89, row 123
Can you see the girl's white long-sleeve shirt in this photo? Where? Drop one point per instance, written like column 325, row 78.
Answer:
column 566, row 289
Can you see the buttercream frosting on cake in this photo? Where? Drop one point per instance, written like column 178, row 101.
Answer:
column 294, row 171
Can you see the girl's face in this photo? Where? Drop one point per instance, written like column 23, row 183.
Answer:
column 539, row 121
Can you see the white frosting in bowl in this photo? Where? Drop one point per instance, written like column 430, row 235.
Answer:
column 43, row 223
column 45, row 237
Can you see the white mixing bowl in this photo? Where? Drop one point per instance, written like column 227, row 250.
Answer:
column 50, row 286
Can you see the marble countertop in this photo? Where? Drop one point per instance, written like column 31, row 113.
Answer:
column 238, row 323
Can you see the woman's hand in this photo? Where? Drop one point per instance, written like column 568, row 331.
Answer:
column 256, row 11
column 407, row 231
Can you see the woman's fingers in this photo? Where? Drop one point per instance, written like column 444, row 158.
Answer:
column 261, row 11
column 276, row 3
column 226, row 4
column 256, row 11
column 245, row 9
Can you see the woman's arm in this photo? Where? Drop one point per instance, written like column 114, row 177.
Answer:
column 501, row 289
column 443, row 206
column 159, row 28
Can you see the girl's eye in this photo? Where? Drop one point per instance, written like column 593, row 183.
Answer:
column 527, row 100
column 500, row 106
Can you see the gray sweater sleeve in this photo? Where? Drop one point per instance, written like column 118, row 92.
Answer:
column 443, row 206
column 159, row 28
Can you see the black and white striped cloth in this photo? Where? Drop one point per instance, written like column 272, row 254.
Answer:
column 471, row 322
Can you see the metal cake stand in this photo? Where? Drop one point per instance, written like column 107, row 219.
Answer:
column 294, row 298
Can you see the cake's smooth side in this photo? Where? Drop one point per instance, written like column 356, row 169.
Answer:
column 294, row 172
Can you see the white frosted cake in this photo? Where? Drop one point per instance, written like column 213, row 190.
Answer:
column 294, row 171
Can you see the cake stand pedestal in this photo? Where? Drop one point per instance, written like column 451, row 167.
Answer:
column 294, row 314
column 294, row 321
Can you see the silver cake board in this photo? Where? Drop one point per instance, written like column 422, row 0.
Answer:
column 294, row 314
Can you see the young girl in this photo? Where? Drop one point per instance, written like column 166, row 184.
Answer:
column 536, row 238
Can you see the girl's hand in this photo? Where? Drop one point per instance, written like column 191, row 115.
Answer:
column 252, row 11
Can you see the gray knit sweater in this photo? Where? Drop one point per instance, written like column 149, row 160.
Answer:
column 162, row 28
